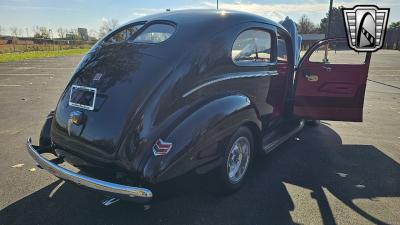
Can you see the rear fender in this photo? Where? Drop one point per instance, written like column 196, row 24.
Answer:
column 196, row 139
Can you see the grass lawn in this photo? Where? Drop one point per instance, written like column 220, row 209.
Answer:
column 8, row 57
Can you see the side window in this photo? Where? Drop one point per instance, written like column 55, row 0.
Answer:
column 337, row 52
column 123, row 34
column 252, row 48
column 282, row 55
column 155, row 33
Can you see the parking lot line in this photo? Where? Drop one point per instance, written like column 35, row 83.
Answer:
column 10, row 85
column 394, row 75
column 381, row 70
column 27, row 74
column 383, row 84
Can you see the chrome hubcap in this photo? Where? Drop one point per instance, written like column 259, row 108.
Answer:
column 238, row 159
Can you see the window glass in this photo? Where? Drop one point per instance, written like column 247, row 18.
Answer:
column 252, row 47
column 123, row 35
column 155, row 33
column 337, row 53
column 282, row 53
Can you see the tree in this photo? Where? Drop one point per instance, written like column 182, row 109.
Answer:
column 107, row 26
column 35, row 30
column 61, row 32
column 93, row 34
column 305, row 26
column 394, row 25
column 41, row 32
column 14, row 31
column 337, row 28
column 20, row 32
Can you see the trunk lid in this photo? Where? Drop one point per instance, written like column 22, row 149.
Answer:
column 124, row 78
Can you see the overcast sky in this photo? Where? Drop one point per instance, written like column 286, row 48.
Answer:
column 90, row 13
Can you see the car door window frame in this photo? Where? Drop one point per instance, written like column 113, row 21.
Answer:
column 308, row 53
column 327, row 44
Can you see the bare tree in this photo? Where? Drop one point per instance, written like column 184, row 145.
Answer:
column 14, row 31
column 305, row 26
column 20, row 32
column 35, row 31
column 61, row 32
column 93, row 34
column 107, row 26
column 40, row 32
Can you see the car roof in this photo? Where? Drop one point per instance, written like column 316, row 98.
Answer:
column 210, row 18
column 195, row 28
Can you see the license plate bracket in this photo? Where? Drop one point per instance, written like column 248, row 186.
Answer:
column 82, row 97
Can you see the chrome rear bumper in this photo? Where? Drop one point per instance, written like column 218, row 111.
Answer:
column 135, row 194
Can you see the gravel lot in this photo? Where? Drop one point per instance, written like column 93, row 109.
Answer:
column 336, row 173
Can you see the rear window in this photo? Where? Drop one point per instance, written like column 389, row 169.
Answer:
column 155, row 33
column 123, row 35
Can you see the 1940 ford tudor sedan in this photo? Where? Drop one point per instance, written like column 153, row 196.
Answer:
column 193, row 91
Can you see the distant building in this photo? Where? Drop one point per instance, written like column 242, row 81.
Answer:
column 309, row 39
column 83, row 34
column 70, row 36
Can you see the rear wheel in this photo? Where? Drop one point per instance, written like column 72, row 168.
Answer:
column 237, row 156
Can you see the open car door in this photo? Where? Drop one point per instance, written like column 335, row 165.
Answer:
column 330, row 82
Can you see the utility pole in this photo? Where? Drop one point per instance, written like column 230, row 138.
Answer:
column 217, row 5
column 51, row 38
column 328, row 30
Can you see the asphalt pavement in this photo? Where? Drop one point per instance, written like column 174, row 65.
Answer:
column 335, row 173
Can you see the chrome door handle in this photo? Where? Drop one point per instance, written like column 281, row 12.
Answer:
column 327, row 68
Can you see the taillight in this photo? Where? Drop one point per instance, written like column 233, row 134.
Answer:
column 161, row 147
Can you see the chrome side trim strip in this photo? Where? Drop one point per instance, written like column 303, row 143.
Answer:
column 231, row 76
column 136, row 194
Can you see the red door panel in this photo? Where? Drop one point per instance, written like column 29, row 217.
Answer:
column 338, row 88
column 331, row 89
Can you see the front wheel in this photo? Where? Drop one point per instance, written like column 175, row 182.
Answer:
column 237, row 157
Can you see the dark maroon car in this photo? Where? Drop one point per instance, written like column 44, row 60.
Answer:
column 193, row 91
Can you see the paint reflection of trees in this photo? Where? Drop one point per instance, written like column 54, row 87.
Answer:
column 115, row 61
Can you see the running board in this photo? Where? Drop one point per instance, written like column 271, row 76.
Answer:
column 272, row 145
